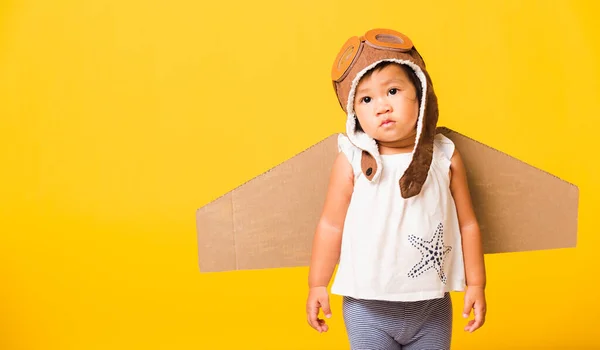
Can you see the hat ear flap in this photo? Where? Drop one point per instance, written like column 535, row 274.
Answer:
column 415, row 175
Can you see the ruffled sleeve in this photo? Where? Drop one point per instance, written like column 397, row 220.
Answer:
column 445, row 149
column 351, row 152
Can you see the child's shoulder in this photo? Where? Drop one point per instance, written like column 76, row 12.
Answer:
column 352, row 153
column 444, row 145
column 442, row 139
column 346, row 146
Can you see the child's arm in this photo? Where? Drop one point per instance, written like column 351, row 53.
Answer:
column 328, row 239
column 471, row 244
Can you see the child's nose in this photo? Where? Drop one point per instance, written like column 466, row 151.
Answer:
column 383, row 107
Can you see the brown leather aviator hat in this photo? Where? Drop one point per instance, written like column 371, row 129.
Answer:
column 359, row 55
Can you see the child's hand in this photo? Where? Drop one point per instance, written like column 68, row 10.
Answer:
column 318, row 298
column 475, row 299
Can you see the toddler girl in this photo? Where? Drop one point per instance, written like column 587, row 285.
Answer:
column 397, row 216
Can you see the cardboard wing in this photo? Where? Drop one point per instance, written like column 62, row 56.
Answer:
column 269, row 222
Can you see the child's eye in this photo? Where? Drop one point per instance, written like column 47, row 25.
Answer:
column 365, row 99
column 393, row 91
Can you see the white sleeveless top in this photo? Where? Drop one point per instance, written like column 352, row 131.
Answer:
column 400, row 249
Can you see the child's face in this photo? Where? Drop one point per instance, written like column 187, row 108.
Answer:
column 386, row 104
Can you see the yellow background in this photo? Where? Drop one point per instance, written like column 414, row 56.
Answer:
column 120, row 118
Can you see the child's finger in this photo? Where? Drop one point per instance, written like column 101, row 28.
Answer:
column 475, row 324
column 481, row 309
column 467, row 308
column 312, row 314
column 323, row 325
column 469, row 325
column 479, row 318
column 325, row 307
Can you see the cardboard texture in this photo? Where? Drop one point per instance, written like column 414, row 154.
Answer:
column 269, row 222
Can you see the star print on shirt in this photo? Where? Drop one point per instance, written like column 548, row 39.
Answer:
column 433, row 252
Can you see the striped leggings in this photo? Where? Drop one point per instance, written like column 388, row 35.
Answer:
column 392, row 325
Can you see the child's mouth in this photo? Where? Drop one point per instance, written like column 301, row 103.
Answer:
column 387, row 122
